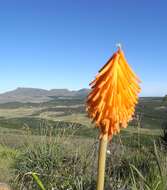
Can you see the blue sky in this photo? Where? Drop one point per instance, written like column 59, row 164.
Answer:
column 63, row 43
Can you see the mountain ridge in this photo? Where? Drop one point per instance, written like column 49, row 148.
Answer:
column 37, row 95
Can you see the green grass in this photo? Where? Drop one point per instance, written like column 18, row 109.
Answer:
column 7, row 157
column 40, row 154
column 69, row 161
column 27, row 129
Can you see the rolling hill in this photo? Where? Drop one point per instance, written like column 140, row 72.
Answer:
column 35, row 95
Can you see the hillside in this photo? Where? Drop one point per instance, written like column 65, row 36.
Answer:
column 165, row 98
column 65, row 105
column 35, row 95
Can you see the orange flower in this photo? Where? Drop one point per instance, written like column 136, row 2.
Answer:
column 111, row 103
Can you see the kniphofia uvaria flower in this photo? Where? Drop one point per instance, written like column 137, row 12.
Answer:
column 111, row 102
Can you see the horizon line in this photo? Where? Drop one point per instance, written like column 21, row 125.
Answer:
column 69, row 89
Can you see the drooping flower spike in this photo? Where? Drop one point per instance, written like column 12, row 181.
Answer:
column 111, row 102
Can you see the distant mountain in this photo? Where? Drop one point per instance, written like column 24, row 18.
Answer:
column 82, row 92
column 36, row 95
